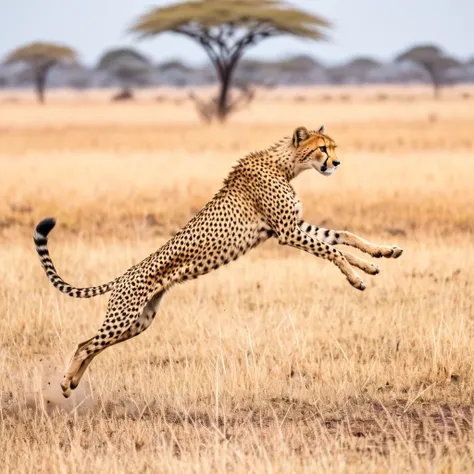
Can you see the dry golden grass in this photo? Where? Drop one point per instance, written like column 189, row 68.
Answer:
column 273, row 363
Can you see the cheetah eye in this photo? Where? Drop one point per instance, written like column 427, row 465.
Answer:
column 323, row 149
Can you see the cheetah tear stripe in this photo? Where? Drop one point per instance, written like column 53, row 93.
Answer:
column 41, row 243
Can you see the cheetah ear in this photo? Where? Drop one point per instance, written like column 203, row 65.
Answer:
column 321, row 129
column 300, row 134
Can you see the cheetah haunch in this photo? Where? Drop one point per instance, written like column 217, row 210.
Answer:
column 256, row 202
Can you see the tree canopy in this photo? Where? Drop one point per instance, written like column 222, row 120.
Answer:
column 127, row 65
column 263, row 17
column 226, row 28
column 432, row 60
column 41, row 57
column 363, row 64
column 122, row 57
column 174, row 64
column 41, row 54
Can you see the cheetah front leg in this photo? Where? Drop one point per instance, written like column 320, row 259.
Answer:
column 342, row 237
column 303, row 241
column 357, row 262
column 361, row 263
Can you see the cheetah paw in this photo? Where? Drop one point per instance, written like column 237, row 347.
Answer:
column 397, row 251
column 388, row 252
column 372, row 269
column 358, row 284
column 67, row 393
column 66, row 388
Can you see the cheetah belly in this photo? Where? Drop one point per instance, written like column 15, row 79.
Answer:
column 213, row 251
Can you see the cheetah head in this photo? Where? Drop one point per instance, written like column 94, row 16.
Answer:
column 314, row 149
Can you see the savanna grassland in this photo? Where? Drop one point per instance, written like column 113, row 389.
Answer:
column 273, row 363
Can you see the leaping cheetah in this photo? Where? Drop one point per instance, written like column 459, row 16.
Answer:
column 256, row 202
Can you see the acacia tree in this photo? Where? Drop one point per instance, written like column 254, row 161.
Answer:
column 127, row 65
column 360, row 68
column 41, row 57
column 227, row 28
column 433, row 61
column 357, row 69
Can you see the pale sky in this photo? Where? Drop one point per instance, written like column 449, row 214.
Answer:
column 378, row 28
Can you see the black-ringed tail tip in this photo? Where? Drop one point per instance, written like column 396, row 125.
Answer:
column 42, row 231
column 44, row 228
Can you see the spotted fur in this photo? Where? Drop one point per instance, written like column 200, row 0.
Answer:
column 256, row 202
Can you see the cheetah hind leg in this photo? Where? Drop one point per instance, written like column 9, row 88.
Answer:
column 85, row 363
column 75, row 364
column 87, row 350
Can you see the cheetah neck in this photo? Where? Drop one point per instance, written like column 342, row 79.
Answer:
column 279, row 157
column 283, row 155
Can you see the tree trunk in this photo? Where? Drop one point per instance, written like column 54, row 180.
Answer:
column 225, row 67
column 223, row 99
column 225, row 82
column 435, row 80
column 40, row 84
column 436, row 85
column 125, row 79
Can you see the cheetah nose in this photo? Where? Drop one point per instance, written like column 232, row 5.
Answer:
column 336, row 163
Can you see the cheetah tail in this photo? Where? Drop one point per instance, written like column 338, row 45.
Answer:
column 41, row 243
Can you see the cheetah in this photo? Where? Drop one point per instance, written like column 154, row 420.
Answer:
column 256, row 202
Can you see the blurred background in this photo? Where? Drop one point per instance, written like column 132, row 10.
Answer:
column 131, row 46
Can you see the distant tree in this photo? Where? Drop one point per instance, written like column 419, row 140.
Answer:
column 176, row 72
column 79, row 77
column 301, row 63
column 128, row 66
column 174, row 64
column 3, row 79
column 433, row 61
column 298, row 69
column 40, row 58
column 357, row 69
column 362, row 67
column 226, row 29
